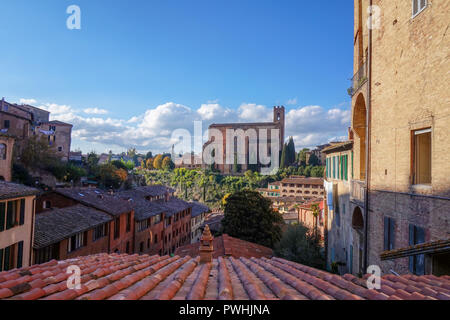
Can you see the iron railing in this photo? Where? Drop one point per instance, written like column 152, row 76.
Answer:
column 358, row 79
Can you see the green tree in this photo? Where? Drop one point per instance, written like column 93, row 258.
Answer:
column 302, row 156
column 313, row 160
column 291, row 151
column 249, row 216
column 119, row 164
column 284, row 157
column 167, row 164
column 300, row 244
column 92, row 159
column 110, row 176
column 37, row 153
column 149, row 155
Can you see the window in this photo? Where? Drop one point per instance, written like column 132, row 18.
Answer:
column 6, row 124
column 100, row 232
column 117, row 228
column 60, row 149
column 141, row 247
column 418, row 6
column 47, row 204
column 389, row 234
column 15, row 214
column 422, row 156
column 2, row 151
column 11, row 257
column 76, row 242
column 128, row 247
column 143, row 225
column 416, row 263
column 156, row 238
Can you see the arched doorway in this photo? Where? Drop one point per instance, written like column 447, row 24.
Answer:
column 359, row 127
column 357, row 219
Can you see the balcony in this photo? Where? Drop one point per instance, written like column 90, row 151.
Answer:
column 359, row 79
column 357, row 192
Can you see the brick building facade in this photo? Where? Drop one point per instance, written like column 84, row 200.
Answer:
column 400, row 120
column 243, row 149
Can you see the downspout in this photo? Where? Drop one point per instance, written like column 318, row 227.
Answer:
column 368, row 121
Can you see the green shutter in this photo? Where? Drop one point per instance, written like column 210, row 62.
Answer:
column 346, row 167
column 22, row 212
column 334, row 167
column 2, row 216
column 20, row 255
column 352, row 166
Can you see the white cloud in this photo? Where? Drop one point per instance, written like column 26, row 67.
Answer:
column 95, row 111
column 309, row 125
column 28, row 101
column 292, row 101
column 254, row 113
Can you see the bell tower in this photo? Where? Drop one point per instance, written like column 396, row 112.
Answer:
column 278, row 118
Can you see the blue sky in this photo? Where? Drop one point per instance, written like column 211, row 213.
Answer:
column 138, row 69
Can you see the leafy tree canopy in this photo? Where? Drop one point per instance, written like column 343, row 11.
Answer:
column 249, row 216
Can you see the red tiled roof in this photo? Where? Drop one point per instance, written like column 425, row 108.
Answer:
column 228, row 246
column 132, row 277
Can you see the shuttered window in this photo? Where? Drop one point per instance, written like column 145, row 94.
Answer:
column 22, row 212
column 20, row 255
column 6, row 259
column 10, row 215
column 416, row 263
column 2, row 216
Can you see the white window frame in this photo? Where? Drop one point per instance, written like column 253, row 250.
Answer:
column 419, row 9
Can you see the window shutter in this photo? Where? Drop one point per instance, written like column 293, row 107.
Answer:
column 1, row 260
column 6, row 259
column 20, row 255
column 391, row 234
column 22, row 212
column 9, row 215
column 386, row 233
column 2, row 216
column 411, row 242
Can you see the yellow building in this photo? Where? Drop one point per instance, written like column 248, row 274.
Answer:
column 17, row 203
column 400, row 126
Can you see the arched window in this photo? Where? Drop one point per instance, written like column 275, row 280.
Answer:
column 2, row 151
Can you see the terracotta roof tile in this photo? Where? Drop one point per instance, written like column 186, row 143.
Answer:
column 130, row 277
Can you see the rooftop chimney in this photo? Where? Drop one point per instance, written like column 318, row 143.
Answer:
column 206, row 246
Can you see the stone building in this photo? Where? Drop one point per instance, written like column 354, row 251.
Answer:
column 307, row 188
column 343, row 241
column 25, row 121
column 400, row 192
column 16, row 225
column 58, row 135
column 242, row 149
column 6, row 152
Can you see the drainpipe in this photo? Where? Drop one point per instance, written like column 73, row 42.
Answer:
column 368, row 144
